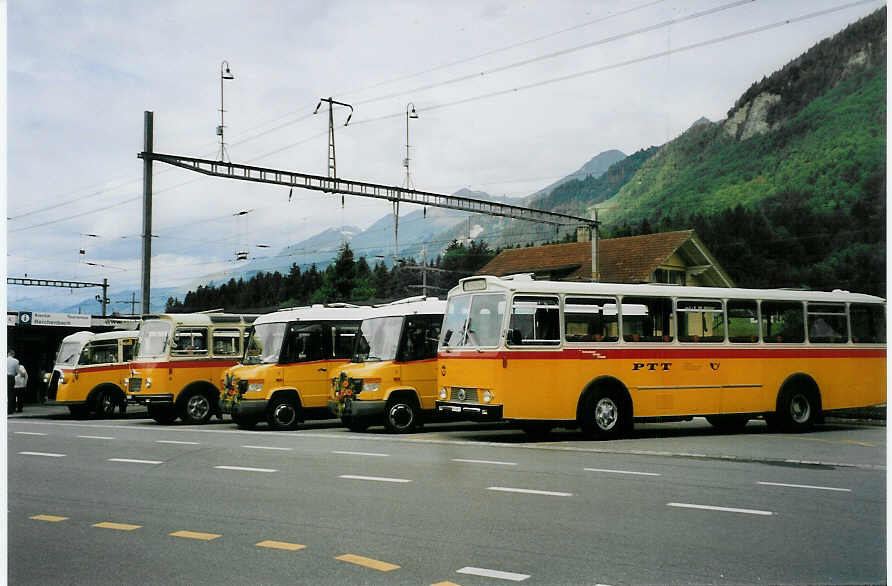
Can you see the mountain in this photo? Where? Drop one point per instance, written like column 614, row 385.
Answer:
column 596, row 167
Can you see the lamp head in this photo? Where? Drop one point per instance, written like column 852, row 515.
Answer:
column 413, row 113
column 225, row 73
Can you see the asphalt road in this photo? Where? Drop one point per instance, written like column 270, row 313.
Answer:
column 130, row 501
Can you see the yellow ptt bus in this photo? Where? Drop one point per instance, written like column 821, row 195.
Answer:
column 180, row 361
column 600, row 356
column 392, row 376
column 89, row 373
column 285, row 375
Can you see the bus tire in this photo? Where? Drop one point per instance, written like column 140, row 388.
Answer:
column 196, row 408
column 605, row 414
column 401, row 414
column 163, row 414
column 357, row 424
column 106, row 403
column 798, row 406
column 283, row 413
column 728, row 423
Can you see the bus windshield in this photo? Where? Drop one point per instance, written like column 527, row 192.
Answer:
column 378, row 339
column 154, row 336
column 265, row 344
column 68, row 353
column 473, row 320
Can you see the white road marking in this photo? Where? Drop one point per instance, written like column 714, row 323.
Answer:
column 47, row 454
column 374, row 478
column 177, row 442
column 131, row 461
column 245, row 469
column 104, row 437
column 805, row 486
column 373, row 454
column 622, row 472
column 267, row 448
column 493, row 574
column 529, row 491
column 492, row 462
column 724, row 509
column 28, row 433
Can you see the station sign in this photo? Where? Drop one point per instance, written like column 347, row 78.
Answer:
column 37, row 318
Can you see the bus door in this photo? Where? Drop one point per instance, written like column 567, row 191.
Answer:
column 306, row 363
column 418, row 354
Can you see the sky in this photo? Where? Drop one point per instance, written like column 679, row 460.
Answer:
column 510, row 96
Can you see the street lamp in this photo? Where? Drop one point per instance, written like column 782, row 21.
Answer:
column 410, row 113
column 224, row 74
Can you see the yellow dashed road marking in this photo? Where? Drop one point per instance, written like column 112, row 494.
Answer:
column 281, row 545
column 50, row 518
column 367, row 562
column 118, row 526
column 195, row 535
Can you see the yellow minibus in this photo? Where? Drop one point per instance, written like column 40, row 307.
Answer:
column 179, row 362
column 600, row 356
column 284, row 377
column 89, row 373
column 392, row 376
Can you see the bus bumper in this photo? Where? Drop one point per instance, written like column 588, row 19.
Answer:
column 473, row 411
column 165, row 399
column 354, row 408
column 249, row 410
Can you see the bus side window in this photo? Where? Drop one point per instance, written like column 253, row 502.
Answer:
column 782, row 322
column 700, row 321
column 226, row 342
column 647, row 319
column 127, row 346
column 590, row 319
column 868, row 323
column 535, row 321
column 827, row 323
column 344, row 337
column 743, row 321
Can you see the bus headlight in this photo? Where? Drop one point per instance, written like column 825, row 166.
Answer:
column 148, row 383
column 487, row 396
column 443, row 393
column 254, row 386
column 370, row 387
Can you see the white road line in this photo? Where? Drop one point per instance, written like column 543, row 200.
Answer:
column 529, row 491
column 47, row 454
column 805, row 486
column 177, row 442
column 131, row 461
column 492, row 462
column 373, row 454
column 724, row 509
column 105, row 437
column 27, row 433
column 267, row 448
column 245, row 469
column 374, row 478
column 493, row 574
column 622, row 472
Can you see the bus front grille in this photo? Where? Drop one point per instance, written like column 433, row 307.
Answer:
column 463, row 394
column 135, row 385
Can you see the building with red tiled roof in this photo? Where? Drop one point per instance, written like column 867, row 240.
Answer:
column 667, row 257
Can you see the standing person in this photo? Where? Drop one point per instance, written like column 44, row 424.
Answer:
column 12, row 368
column 21, row 384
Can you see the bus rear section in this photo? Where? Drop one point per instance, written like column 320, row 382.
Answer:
column 180, row 362
column 89, row 373
column 284, row 377
column 392, row 376
column 601, row 356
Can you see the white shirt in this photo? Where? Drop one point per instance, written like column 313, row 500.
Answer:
column 21, row 378
column 12, row 366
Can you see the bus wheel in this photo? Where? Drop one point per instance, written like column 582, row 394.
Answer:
column 106, row 404
column 401, row 416
column 797, row 409
column 357, row 424
column 536, row 430
column 283, row 413
column 196, row 409
column 728, row 423
column 605, row 416
column 163, row 414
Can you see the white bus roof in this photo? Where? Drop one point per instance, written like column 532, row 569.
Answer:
column 204, row 319
column 525, row 284
column 87, row 336
column 411, row 306
column 320, row 312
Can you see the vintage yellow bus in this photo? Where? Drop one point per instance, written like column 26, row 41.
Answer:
column 284, row 377
column 89, row 373
column 392, row 376
column 600, row 356
column 180, row 360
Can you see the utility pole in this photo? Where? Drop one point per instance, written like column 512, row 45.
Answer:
column 408, row 186
column 145, row 279
column 332, row 163
column 224, row 74
column 596, row 235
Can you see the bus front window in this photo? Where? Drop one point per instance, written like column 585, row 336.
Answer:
column 68, row 353
column 265, row 344
column 473, row 320
column 378, row 339
column 154, row 336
